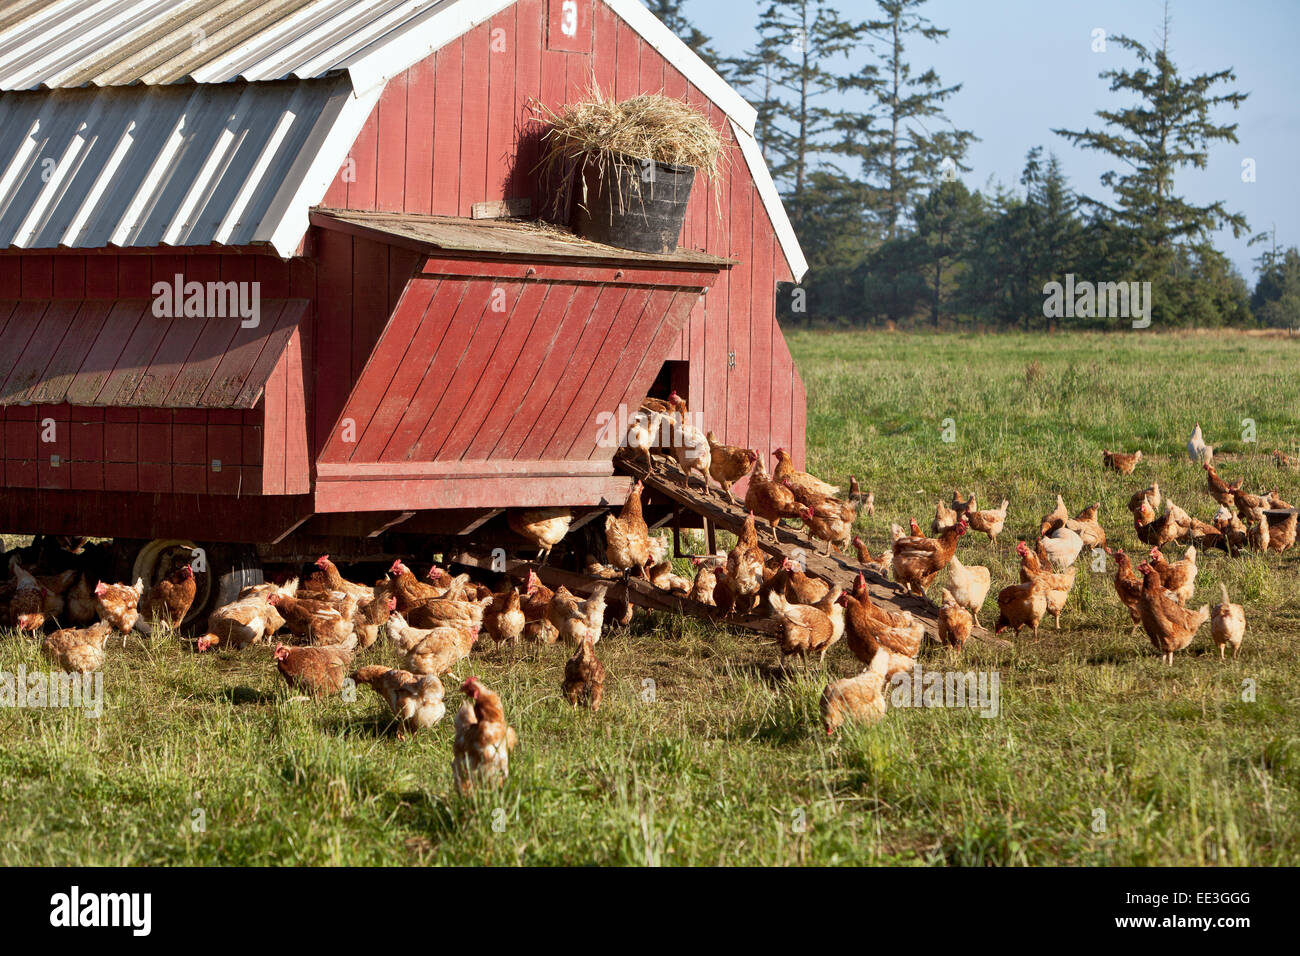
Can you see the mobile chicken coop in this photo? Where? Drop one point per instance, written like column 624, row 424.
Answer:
column 249, row 299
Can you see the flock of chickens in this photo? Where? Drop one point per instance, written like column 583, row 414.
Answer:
column 435, row 622
column 814, row 614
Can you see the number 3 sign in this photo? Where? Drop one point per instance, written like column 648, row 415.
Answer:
column 569, row 26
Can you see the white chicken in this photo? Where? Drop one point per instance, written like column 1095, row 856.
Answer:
column 692, row 451
column 643, row 435
column 969, row 585
column 416, row 701
column 578, row 620
column 1197, row 450
column 249, row 620
column 1062, row 547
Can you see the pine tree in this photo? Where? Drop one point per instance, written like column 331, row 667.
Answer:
column 893, row 281
column 835, row 235
column 901, row 155
column 995, row 286
column 946, row 221
column 670, row 14
column 1166, row 130
column 1276, row 299
column 791, row 78
column 1054, row 233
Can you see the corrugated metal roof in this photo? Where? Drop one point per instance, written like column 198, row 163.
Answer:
column 121, row 42
column 66, row 44
column 117, row 353
column 235, row 164
column 503, row 237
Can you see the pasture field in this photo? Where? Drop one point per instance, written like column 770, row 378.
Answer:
column 704, row 753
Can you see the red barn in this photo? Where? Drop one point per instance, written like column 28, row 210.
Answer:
column 351, row 353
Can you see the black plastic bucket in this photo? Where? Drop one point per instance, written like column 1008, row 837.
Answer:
column 636, row 204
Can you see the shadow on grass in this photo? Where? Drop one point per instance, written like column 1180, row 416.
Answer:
column 776, row 675
column 1115, row 655
column 429, row 814
column 379, row 725
column 239, row 696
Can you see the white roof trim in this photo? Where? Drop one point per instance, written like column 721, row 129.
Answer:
column 771, row 201
column 323, row 155
column 371, row 40
column 686, row 60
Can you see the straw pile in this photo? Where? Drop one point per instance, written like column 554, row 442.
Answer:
column 646, row 127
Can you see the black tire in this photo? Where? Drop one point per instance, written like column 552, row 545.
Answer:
column 233, row 567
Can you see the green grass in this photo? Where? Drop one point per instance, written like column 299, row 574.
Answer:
column 727, row 759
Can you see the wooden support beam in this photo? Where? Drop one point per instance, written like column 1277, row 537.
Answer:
column 585, row 519
column 635, row 590
column 464, row 492
column 501, row 209
column 391, row 523
column 481, row 520
column 666, row 482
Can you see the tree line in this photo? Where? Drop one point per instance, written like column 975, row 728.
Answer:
column 854, row 126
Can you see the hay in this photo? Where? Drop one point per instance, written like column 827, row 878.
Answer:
column 651, row 126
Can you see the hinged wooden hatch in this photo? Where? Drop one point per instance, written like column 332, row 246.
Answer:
column 506, row 352
column 102, row 394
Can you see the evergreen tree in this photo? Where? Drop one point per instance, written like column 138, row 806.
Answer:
column 946, row 222
column 670, row 14
column 1166, row 130
column 893, row 281
column 791, row 77
column 1276, row 300
column 1054, row 231
column 1204, row 289
column 835, row 236
column 902, row 156
column 998, row 284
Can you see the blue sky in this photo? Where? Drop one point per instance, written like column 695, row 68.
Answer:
column 1028, row 67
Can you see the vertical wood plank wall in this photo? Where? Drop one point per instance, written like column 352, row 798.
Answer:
column 163, row 450
column 458, row 128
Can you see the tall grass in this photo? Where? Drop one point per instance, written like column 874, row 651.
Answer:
column 704, row 754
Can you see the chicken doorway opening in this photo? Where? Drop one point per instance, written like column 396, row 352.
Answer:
column 674, row 376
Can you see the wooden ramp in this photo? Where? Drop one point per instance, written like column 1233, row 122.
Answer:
column 665, row 484
column 635, row 591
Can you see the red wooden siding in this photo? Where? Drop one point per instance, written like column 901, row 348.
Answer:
column 143, row 404
column 130, row 449
column 357, row 284
column 568, row 24
column 116, row 352
column 484, row 369
column 480, row 140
